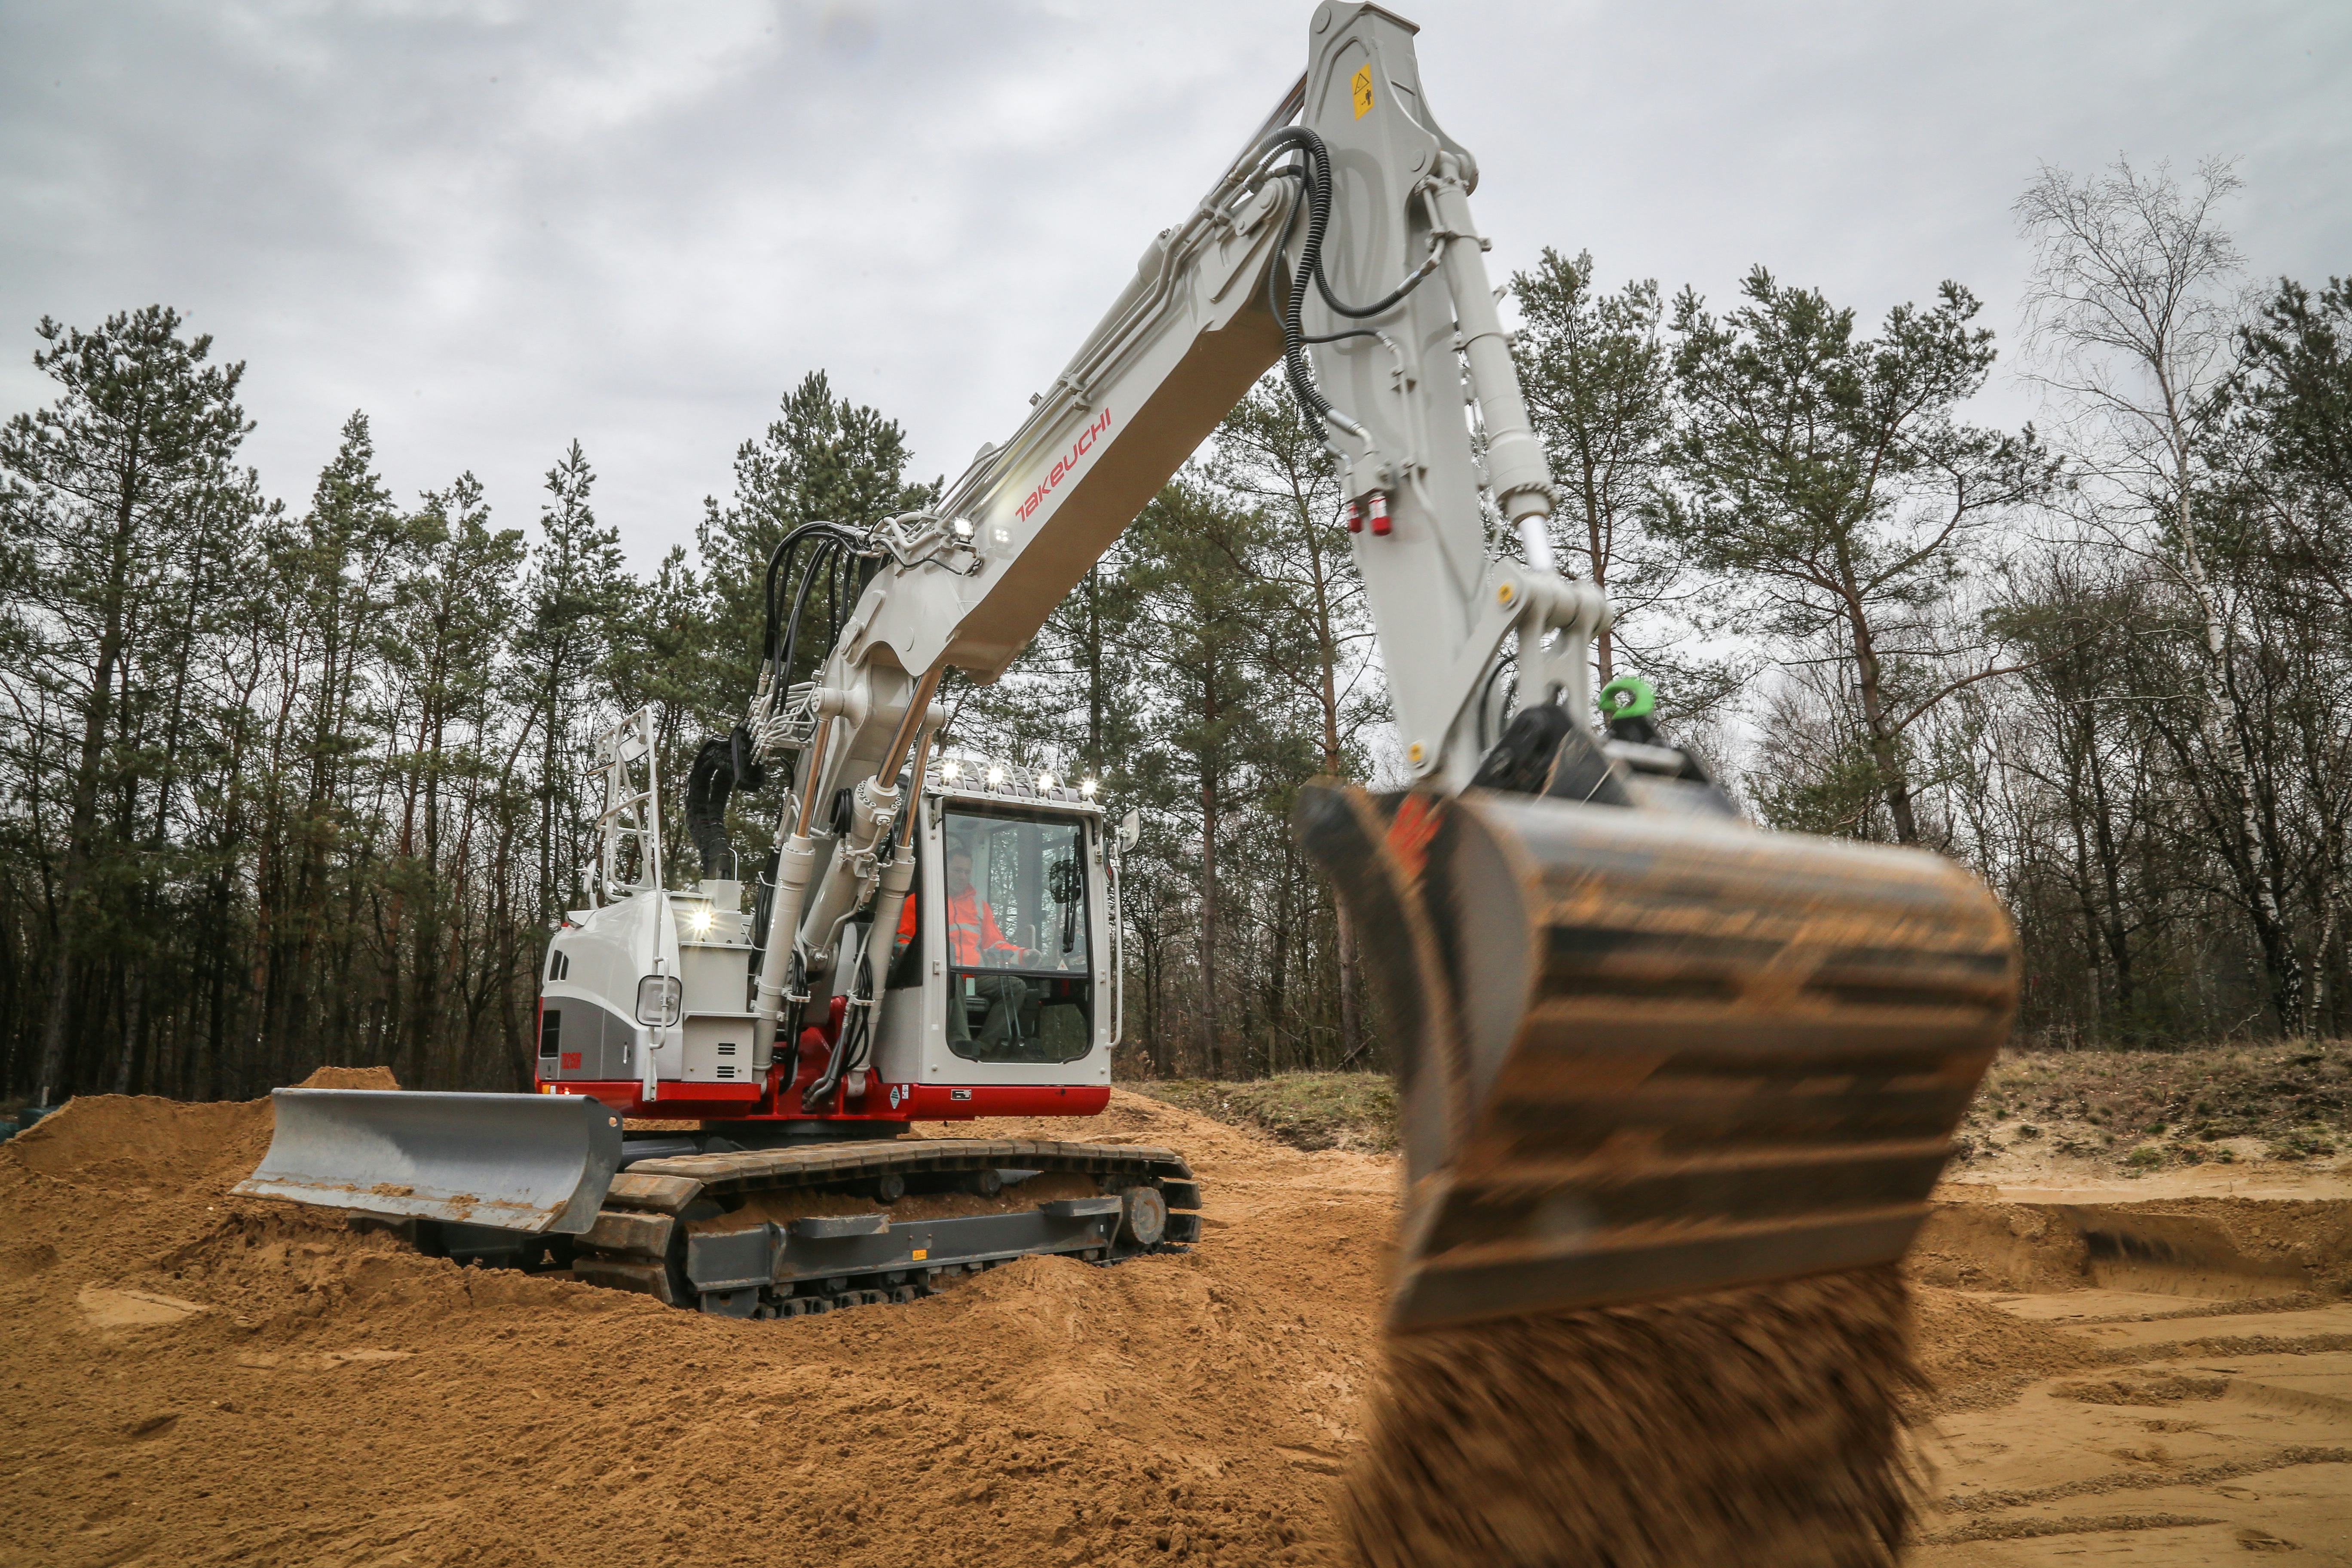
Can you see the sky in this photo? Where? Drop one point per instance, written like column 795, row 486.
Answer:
column 498, row 227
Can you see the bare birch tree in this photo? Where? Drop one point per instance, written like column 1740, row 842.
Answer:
column 2131, row 310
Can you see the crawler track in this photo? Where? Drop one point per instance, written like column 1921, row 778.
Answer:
column 771, row 1233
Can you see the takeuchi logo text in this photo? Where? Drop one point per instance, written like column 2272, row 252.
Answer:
column 1066, row 464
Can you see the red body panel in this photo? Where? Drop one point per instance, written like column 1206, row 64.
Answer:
column 937, row 1102
column 890, row 1102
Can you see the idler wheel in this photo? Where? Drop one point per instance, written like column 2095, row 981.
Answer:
column 1144, row 1219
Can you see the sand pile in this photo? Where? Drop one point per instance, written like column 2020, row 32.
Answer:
column 206, row 1378
column 231, row 1379
column 351, row 1078
column 1973, row 1354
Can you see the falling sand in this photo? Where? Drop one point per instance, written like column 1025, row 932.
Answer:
column 1759, row 1426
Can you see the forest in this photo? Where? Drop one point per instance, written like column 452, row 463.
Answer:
column 290, row 785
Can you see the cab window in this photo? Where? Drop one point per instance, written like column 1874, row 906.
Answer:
column 1019, row 950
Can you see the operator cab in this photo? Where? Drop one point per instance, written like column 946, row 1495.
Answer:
column 1003, row 973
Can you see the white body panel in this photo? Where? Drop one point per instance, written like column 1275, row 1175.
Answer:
column 601, row 955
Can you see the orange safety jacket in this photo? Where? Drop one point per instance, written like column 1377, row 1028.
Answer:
column 971, row 929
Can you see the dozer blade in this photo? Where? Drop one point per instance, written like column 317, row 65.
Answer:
column 1647, row 1054
column 536, row 1163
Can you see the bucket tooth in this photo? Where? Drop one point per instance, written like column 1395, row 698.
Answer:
column 1650, row 1054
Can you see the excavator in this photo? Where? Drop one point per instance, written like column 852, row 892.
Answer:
column 1647, row 1047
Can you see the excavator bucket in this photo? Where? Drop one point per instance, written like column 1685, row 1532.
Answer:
column 1649, row 1053
column 533, row 1162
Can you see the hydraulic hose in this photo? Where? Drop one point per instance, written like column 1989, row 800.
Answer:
column 1381, row 306
column 778, row 564
column 1317, row 175
column 825, row 557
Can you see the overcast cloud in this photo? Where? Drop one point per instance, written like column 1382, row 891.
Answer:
column 495, row 228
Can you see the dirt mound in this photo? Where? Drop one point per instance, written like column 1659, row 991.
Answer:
column 225, row 1379
column 351, row 1078
column 1972, row 1353
column 2196, row 1246
column 238, row 1380
column 2158, row 1388
column 135, row 1139
column 1130, row 1118
column 2119, row 1112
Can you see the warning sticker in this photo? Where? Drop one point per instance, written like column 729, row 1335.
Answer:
column 1362, row 83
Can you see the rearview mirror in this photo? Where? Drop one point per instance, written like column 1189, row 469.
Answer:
column 1130, row 827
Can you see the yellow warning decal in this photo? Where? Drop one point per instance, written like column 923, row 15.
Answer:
column 1363, row 84
column 921, row 1253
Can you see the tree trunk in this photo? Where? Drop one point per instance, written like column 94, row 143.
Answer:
column 1334, row 766
column 1597, row 549
column 1886, row 743
column 134, row 993
column 2116, row 932
column 1211, row 1044
column 2282, row 966
column 1093, row 670
column 80, row 848
column 1279, row 977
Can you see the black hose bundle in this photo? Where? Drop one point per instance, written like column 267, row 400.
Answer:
column 1315, row 171
column 838, row 558
column 724, row 764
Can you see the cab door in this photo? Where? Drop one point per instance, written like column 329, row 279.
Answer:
column 1009, row 926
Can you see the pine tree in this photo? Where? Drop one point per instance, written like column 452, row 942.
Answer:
column 1600, row 389
column 822, row 459
column 1191, row 613
column 339, row 569
column 578, row 594
column 99, row 493
column 1834, row 490
column 1319, row 643
column 452, row 620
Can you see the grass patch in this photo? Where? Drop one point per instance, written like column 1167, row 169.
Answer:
column 1304, row 1109
column 2178, row 1105
column 2296, row 1095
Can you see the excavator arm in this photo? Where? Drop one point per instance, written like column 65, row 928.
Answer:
column 1646, row 1048
column 1351, row 192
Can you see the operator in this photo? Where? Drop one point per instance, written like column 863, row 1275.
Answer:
column 974, row 941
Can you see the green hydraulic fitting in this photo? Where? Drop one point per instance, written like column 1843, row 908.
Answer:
column 1629, row 697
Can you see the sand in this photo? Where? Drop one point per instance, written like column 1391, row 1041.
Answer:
column 1757, row 1425
column 203, row 1379
column 329, row 1397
